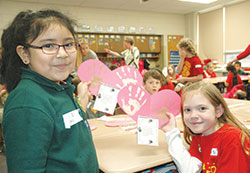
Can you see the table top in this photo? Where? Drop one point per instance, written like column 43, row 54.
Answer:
column 222, row 79
column 117, row 150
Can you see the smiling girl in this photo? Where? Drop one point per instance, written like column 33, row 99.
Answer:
column 44, row 128
column 218, row 141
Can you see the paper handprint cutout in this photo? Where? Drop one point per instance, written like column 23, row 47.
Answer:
column 126, row 75
column 97, row 72
column 135, row 101
column 94, row 71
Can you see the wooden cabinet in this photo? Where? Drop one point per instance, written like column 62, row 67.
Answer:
column 149, row 45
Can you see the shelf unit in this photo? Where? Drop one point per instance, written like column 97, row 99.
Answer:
column 148, row 45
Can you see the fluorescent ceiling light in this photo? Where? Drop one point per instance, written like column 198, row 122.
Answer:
column 200, row 1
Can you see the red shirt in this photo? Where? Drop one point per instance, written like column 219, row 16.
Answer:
column 245, row 53
column 207, row 74
column 230, row 81
column 169, row 86
column 171, row 77
column 192, row 67
column 221, row 151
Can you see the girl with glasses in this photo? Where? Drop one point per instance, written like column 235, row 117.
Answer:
column 44, row 128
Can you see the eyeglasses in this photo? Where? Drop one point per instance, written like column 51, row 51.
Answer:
column 52, row 49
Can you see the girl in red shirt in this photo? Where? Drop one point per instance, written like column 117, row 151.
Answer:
column 233, row 78
column 209, row 73
column 171, row 73
column 219, row 142
column 189, row 66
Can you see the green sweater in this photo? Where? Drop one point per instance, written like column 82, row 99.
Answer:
column 35, row 134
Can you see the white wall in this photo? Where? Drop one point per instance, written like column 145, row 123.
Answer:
column 163, row 23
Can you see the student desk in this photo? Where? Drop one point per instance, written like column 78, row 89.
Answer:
column 117, row 150
column 219, row 81
column 222, row 79
column 240, row 109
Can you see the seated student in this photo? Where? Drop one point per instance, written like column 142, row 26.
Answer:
column 189, row 66
column 172, row 75
column 154, row 81
column 233, row 83
column 219, row 142
column 209, row 73
column 165, row 83
column 238, row 69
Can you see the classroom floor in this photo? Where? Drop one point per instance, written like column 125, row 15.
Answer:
column 3, row 166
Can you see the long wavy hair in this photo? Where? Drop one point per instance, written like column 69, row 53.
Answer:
column 214, row 96
column 25, row 28
column 188, row 45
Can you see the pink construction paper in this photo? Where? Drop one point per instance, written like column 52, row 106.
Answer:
column 136, row 101
column 94, row 71
column 162, row 102
column 123, row 76
column 97, row 72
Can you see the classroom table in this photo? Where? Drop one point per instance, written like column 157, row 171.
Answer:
column 117, row 150
column 219, row 81
column 222, row 79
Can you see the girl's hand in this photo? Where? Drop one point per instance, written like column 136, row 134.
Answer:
column 171, row 123
column 182, row 53
column 84, row 94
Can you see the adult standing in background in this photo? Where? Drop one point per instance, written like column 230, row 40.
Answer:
column 242, row 55
column 131, row 55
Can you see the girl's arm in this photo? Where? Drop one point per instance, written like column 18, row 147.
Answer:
column 190, row 79
column 182, row 158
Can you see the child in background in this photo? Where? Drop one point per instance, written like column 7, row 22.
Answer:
column 44, row 128
column 234, row 84
column 190, row 65
column 219, row 142
column 171, row 73
column 233, row 78
column 152, row 81
column 165, row 83
column 238, row 69
column 209, row 73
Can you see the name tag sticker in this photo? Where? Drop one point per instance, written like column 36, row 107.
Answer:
column 71, row 118
column 147, row 131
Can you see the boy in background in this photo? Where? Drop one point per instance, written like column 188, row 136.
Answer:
column 154, row 81
column 238, row 69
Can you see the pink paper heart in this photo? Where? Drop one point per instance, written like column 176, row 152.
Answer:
column 94, row 71
column 136, row 101
column 97, row 72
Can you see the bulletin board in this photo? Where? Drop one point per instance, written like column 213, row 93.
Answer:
column 173, row 54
